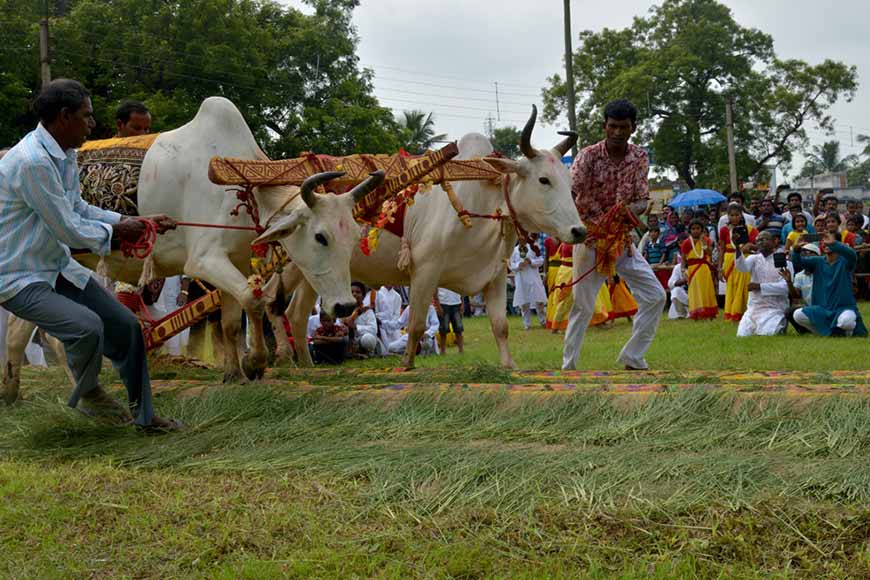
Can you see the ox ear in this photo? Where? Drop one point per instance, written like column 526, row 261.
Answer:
column 282, row 228
column 506, row 165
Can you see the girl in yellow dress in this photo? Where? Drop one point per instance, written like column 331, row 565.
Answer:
column 561, row 300
column 697, row 253
column 736, row 283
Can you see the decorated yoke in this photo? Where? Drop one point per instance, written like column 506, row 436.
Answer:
column 109, row 173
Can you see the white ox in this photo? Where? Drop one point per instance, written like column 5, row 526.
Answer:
column 467, row 260
column 317, row 231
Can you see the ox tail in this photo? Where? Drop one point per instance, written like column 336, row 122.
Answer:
column 404, row 261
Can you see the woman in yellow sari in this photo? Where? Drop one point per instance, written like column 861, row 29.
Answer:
column 736, row 283
column 561, row 300
column 697, row 253
column 554, row 260
column 623, row 304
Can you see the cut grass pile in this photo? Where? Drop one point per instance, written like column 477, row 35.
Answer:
column 275, row 481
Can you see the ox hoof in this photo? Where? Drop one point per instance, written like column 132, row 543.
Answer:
column 234, row 378
column 251, row 369
column 9, row 390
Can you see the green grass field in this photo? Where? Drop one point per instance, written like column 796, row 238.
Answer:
column 307, row 475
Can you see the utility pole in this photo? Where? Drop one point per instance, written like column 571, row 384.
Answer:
column 45, row 63
column 569, row 73
column 729, row 127
column 497, row 104
column 488, row 126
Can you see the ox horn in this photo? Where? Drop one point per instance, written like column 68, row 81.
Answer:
column 375, row 179
column 526, row 139
column 565, row 145
column 307, row 190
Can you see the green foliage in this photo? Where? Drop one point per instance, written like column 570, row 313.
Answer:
column 418, row 132
column 825, row 158
column 678, row 65
column 295, row 77
column 506, row 140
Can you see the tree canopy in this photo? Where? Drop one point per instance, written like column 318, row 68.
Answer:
column 506, row 140
column 295, row 77
column 418, row 132
column 678, row 65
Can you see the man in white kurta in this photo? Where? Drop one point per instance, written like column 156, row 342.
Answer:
column 428, row 344
column 768, row 292
column 529, row 290
column 677, row 284
column 388, row 306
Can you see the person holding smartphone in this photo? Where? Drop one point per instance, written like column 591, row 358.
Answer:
column 731, row 236
column 768, row 292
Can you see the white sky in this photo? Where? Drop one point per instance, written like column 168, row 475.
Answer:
column 445, row 56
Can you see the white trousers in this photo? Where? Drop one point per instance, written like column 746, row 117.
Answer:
column 762, row 322
column 846, row 321
column 679, row 303
column 540, row 310
column 647, row 292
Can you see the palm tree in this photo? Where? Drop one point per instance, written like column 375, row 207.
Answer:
column 418, row 133
column 825, row 158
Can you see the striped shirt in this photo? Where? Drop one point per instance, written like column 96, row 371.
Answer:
column 42, row 216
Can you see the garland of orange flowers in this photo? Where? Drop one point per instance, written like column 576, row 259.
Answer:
column 389, row 209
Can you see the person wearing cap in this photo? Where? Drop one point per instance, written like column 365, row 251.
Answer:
column 833, row 310
column 768, row 292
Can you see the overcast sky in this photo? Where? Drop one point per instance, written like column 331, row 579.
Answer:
column 445, row 56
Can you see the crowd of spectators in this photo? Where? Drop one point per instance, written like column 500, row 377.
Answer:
column 765, row 264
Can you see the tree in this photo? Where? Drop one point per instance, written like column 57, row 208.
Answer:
column 295, row 77
column 826, row 158
column 506, row 140
column 418, row 133
column 858, row 174
column 678, row 65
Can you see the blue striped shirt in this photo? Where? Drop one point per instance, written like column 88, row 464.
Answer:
column 42, row 215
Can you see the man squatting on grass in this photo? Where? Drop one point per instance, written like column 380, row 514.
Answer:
column 605, row 174
column 42, row 216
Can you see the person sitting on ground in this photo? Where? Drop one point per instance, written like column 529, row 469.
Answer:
column 526, row 261
column 677, row 284
column 833, row 310
column 800, row 287
column 696, row 253
column 43, row 215
column 330, row 343
column 448, row 308
column 427, row 343
column 362, row 324
column 768, row 293
column 132, row 118
column 388, row 306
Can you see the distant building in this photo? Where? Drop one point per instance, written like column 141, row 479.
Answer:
column 836, row 181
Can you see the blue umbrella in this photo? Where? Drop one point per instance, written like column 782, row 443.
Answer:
column 696, row 197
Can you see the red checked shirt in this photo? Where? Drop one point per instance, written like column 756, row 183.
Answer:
column 598, row 182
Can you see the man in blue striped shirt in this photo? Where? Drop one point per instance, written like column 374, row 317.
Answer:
column 42, row 216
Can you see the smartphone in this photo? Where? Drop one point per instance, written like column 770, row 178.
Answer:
column 812, row 237
column 741, row 235
column 779, row 260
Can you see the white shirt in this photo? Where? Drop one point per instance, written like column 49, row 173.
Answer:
column 432, row 322
column 448, row 297
column 528, row 286
column 765, row 313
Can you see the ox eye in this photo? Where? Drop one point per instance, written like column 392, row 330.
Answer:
column 321, row 239
column 544, row 181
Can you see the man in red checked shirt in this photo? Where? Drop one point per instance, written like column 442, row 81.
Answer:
column 608, row 173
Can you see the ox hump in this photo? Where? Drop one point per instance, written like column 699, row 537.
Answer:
column 474, row 145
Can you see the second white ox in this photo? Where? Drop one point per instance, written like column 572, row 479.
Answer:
column 467, row 260
column 317, row 231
